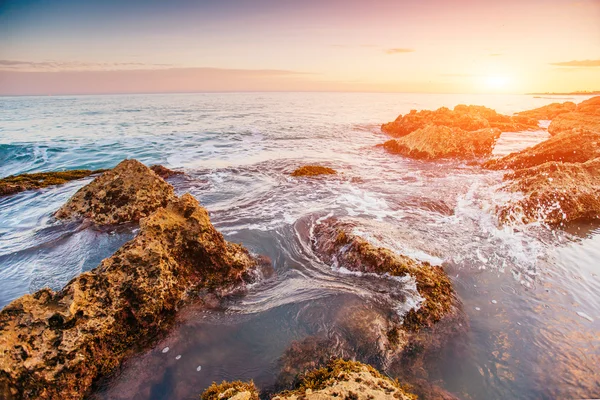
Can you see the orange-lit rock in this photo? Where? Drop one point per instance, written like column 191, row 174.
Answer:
column 585, row 117
column 550, row 111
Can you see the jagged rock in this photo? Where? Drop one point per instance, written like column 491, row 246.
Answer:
column 437, row 142
column 466, row 118
column 346, row 380
column 231, row 391
column 313, row 170
column 55, row 345
column 164, row 172
column 128, row 192
column 564, row 147
column 585, row 117
column 555, row 193
column 20, row 183
column 550, row 111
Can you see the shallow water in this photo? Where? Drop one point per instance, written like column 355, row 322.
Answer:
column 531, row 293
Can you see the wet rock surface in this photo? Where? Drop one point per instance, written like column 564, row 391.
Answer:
column 438, row 142
column 573, row 147
column 57, row 344
column 19, row 183
column 164, row 172
column 231, row 390
column 585, row 117
column 554, row 192
column 126, row 193
column 550, row 111
column 465, row 118
column 313, row 170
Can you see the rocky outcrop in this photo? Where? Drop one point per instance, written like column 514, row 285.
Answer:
column 20, row 183
column 231, row 391
column 437, row 142
column 313, row 170
column 55, row 345
column 570, row 146
column 585, row 117
column 550, row 111
column 465, row 118
column 128, row 192
column 164, row 172
column 555, row 193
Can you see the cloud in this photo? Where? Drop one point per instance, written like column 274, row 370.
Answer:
column 578, row 63
column 399, row 50
column 73, row 65
column 495, row 54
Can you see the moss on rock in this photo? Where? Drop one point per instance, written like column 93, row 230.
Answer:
column 20, row 183
column 237, row 390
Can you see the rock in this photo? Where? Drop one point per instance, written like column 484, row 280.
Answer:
column 549, row 112
column 554, row 192
column 466, row 118
column 57, row 344
column 128, row 192
column 563, row 147
column 164, row 172
column 346, row 380
column 313, row 170
column 437, row 142
column 231, row 391
column 20, row 183
column 585, row 117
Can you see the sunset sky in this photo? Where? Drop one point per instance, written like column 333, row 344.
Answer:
column 458, row 46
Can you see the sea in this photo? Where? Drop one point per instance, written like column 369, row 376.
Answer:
column 531, row 292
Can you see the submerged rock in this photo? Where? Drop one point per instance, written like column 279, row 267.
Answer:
column 550, row 111
column 128, row 192
column 564, row 147
column 20, row 183
column 57, row 344
column 437, row 142
column 585, row 117
column 313, row 170
column 164, row 172
column 465, row 118
column 555, row 193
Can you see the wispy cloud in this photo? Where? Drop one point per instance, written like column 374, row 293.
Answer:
column 578, row 63
column 399, row 50
column 73, row 65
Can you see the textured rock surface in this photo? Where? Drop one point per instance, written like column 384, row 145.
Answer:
column 564, row 147
column 54, row 345
column 466, row 118
column 437, row 142
column 231, row 391
column 585, row 117
column 128, row 192
column 164, row 172
column 19, row 183
column 313, row 170
column 346, row 380
column 555, row 193
column 550, row 111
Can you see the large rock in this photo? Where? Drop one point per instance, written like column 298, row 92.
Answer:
column 564, row 147
column 128, row 192
column 55, row 345
column 550, row 111
column 437, row 142
column 20, row 183
column 313, row 170
column 585, row 117
column 466, row 118
column 555, row 193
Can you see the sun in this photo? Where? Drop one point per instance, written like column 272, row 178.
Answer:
column 496, row 82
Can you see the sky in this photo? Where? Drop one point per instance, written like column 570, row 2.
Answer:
column 431, row 46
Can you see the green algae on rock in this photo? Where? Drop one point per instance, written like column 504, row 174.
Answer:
column 20, row 183
column 437, row 142
column 57, row 344
column 569, row 146
column 555, row 193
column 126, row 193
column 231, row 391
column 313, row 170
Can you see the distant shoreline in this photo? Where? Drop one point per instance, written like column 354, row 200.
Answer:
column 567, row 94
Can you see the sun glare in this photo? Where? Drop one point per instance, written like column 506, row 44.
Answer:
column 496, row 82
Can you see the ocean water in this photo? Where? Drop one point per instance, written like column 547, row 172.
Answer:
column 532, row 294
